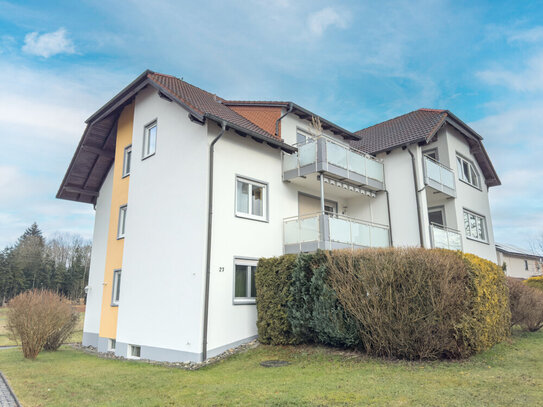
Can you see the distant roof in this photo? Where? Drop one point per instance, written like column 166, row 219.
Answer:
column 420, row 126
column 517, row 251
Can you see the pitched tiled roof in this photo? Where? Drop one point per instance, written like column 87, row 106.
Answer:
column 205, row 103
column 402, row 130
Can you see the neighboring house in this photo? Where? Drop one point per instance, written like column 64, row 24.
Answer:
column 519, row 263
column 190, row 190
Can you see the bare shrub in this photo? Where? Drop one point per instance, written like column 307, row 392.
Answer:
column 34, row 316
column 409, row 302
column 526, row 305
column 60, row 336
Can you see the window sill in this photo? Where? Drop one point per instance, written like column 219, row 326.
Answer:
column 114, row 305
column 125, row 175
column 147, row 156
column 249, row 217
column 477, row 240
column 120, row 237
column 471, row 185
column 244, row 301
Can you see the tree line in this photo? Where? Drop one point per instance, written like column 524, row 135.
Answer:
column 60, row 264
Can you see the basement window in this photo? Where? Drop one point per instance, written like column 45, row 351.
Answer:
column 134, row 352
column 244, row 281
column 111, row 343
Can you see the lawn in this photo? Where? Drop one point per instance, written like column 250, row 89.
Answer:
column 6, row 341
column 509, row 374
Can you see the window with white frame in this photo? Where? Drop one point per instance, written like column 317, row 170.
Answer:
column 467, row 172
column 251, row 199
column 244, row 281
column 111, row 344
column 475, row 226
column 134, row 352
column 149, row 140
column 122, row 222
column 126, row 162
column 116, row 291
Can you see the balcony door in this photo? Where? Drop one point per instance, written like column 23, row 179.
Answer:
column 437, row 216
column 308, row 204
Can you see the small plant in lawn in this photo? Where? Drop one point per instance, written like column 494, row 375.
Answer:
column 40, row 318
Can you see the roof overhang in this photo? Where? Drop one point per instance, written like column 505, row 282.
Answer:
column 96, row 149
column 475, row 142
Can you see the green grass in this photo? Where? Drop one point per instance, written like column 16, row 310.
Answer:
column 5, row 340
column 509, row 374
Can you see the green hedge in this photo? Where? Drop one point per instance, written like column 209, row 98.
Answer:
column 407, row 303
column 273, row 281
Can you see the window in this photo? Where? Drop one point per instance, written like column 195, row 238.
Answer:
column 251, row 199
column 111, row 343
column 475, row 226
column 525, row 264
column 244, row 281
column 149, row 140
column 134, row 352
column 436, row 216
column 467, row 172
column 116, row 291
column 432, row 154
column 122, row 222
column 126, row 163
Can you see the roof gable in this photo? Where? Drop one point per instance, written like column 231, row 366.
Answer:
column 421, row 126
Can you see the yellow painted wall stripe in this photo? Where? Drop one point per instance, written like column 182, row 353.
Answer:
column 119, row 197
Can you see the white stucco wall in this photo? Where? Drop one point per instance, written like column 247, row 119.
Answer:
column 403, row 205
column 239, row 237
column 470, row 198
column 164, row 248
column 98, row 257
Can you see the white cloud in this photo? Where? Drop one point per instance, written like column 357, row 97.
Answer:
column 534, row 34
column 528, row 79
column 319, row 21
column 48, row 44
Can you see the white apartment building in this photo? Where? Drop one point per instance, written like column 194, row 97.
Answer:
column 190, row 190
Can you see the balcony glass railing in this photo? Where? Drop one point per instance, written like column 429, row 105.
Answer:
column 445, row 238
column 328, row 231
column 439, row 176
column 326, row 154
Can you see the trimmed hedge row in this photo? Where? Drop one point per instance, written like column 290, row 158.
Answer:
column 408, row 303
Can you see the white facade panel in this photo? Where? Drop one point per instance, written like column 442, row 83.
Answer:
column 98, row 258
column 164, row 249
column 403, row 204
column 471, row 198
column 235, row 236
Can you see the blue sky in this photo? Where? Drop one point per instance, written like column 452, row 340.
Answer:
column 354, row 62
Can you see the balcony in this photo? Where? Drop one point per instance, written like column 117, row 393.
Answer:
column 327, row 232
column 445, row 238
column 439, row 177
column 336, row 159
